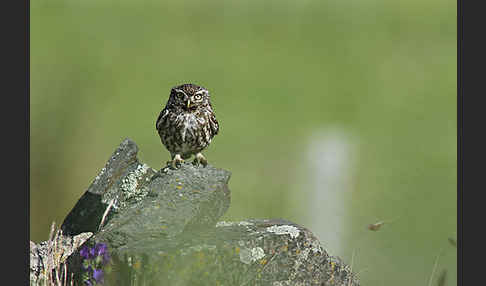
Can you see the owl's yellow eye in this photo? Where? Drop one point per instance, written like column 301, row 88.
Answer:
column 180, row 95
column 197, row 97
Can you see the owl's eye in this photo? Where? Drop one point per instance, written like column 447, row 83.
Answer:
column 197, row 97
column 180, row 95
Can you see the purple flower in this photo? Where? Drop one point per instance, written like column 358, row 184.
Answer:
column 100, row 249
column 93, row 258
column 98, row 275
column 92, row 252
column 85, row 252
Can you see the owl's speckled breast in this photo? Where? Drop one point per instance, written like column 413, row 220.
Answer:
column 188, row 126
column 184, row 134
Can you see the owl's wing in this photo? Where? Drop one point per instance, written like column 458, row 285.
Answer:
column 161, row 118
column 213, row 124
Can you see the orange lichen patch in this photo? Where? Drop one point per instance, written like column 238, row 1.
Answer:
column 137, row 265
column 179, row 187
column 263, row 261
column 237, row 250
column 297, row 251
column 285, row 247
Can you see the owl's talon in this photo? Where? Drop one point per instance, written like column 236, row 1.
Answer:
column 176, row 162
column 200, row 160
column 197, row 163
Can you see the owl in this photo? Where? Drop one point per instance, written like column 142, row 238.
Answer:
column 187, row 124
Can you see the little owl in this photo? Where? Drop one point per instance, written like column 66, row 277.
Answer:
column 187, row 124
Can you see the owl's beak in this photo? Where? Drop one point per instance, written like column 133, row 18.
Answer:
column 188, row 103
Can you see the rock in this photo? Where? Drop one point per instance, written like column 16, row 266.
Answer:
column 120, row 182
column 185, row 199
column 161, row 227
column 129, row 195
column 253, row 252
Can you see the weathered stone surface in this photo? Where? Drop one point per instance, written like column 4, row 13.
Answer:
column 120, row 183
column 129, row 198
column 253, row 252
column 161, row 229
column 185, row 199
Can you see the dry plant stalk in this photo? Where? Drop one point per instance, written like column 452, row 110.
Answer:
column 55, row 272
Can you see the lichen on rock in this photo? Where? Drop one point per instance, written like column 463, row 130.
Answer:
column 164, row 226
column 284, row 229
column 248, row 256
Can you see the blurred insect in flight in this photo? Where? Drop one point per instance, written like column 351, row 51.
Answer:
column 376, row 226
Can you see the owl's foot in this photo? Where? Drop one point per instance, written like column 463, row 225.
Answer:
column 176, row 161
column 200, row 159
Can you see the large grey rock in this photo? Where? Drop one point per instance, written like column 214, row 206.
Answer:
column 161, row 229
column 252, row 252
column 187, row 199
column 129, row 197
column 120, row 183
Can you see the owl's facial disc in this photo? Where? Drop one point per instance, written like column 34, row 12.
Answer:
column 190, row 99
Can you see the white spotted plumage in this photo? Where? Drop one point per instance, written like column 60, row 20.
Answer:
column 187, row 124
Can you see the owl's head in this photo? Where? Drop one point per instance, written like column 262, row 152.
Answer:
column 189, row 97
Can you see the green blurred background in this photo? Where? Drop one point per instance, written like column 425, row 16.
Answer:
column 334, row 114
